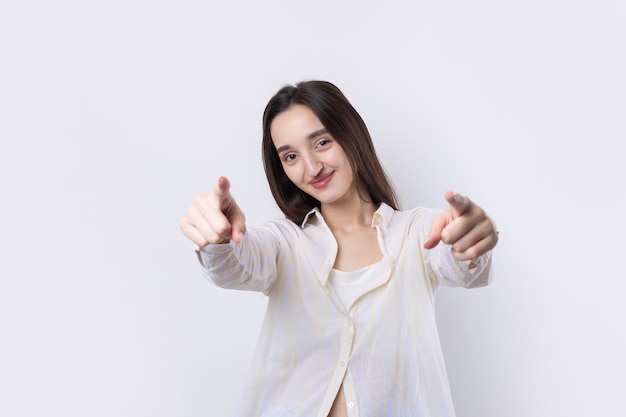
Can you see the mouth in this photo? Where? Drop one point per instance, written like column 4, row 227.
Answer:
column 322, row 180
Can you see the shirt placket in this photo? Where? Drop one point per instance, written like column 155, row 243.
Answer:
column 347, row 337
column 347, row 340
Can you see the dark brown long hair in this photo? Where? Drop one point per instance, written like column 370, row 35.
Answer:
column 344, row 124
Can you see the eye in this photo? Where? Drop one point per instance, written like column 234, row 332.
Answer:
column 289, row 157
column 322, row 142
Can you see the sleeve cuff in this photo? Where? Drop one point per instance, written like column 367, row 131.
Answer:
column 205, row 253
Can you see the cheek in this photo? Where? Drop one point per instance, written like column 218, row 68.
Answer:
column 348, row 167
column 292, row 173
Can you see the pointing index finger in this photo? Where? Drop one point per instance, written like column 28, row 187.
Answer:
column 458, row 203
column 222, row 186
column 220, row 196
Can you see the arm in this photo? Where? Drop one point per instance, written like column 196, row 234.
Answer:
column 248, row 265
column 212, row 222
column 445, row 270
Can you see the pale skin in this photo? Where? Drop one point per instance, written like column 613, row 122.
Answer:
column 316, row 164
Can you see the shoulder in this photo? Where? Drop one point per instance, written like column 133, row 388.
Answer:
column 414, row 223
column 414, row 217
column 280, row 228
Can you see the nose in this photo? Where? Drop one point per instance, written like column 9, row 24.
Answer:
column 313, row 167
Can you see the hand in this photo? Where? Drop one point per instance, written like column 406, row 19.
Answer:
column 214, row 217
column 465, row 226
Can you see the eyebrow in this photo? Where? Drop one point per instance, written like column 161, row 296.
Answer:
column 317, row 133
column 311, row 135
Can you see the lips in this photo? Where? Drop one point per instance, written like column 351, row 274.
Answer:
column 322, row 180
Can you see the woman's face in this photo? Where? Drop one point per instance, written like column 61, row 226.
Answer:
column 312, row 159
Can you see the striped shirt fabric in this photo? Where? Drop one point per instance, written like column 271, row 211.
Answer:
column 385, row 349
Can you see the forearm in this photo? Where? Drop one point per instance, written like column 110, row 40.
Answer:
column 452, row 273
column 248, row 265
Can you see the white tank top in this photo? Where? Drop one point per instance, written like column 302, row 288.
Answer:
column 350, row 285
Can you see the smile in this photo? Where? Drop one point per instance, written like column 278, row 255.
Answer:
column 322, row 180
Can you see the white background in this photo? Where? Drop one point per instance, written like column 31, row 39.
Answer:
column 115, row 115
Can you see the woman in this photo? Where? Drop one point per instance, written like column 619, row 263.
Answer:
column 350, row 323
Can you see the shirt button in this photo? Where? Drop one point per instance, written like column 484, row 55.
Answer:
column 350, row 405
column 348, row 323
column 342, row 364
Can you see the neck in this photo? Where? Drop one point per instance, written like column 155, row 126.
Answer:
column 348, row 214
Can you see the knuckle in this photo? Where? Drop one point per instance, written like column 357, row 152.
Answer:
column 458, row 247
column 212, row 237
column 205, row 200
column 199, row 239
column 472, row 253
column 183, row 223
column 479, row 213
column 222, row 230
column 496, row 238
column 214, row 240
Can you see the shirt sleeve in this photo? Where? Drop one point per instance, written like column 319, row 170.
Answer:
column 248, row 265
column 447, row 271
column 452, row 273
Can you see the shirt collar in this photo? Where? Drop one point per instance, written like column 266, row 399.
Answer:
column 315, row 211
column 382, row 216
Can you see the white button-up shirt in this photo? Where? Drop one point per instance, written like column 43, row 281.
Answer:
column 385, row 349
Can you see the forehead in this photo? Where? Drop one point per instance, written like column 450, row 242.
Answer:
column 294, row 124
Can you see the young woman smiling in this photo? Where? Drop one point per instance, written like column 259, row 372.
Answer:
column 350, row 278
